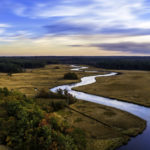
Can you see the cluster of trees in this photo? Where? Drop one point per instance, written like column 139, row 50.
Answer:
column 70, row 76
column 24, row 125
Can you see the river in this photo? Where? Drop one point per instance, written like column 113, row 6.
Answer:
column 140, row 142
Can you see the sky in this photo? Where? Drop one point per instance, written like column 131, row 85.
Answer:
column 74, row 28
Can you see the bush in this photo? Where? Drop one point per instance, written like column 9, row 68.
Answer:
column 43, row 94
column 72, row 76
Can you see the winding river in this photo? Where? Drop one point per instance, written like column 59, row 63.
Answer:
column 140, row 142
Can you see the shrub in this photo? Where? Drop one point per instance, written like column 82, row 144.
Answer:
column 42, row 94
column 56, row 67
column 60, row 94
column 71, row 76
column 58, row 105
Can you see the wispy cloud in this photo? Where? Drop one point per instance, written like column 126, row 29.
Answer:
column 101, row 16
column 100, row 13
column 2, row 31
column 50, row 9
column 62, row 27
column 117, row 12
column 14, row 37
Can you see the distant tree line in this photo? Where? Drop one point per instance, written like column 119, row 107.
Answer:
column 18, row 64
column 10, row 68
column 109, row 62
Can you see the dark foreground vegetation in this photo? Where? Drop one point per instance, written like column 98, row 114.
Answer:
column 24, row 125
column 18, row 64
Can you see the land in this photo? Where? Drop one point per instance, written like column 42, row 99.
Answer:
column 130, row 86
column 113, row 127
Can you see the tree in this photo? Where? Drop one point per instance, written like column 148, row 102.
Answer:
column 72, row 76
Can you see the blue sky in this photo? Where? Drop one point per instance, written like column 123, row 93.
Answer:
column 81, row 27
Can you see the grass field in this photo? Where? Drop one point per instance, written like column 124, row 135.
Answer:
column 131, row 86
column 123, row 125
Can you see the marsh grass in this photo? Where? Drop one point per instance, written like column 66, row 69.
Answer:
column 123, row 125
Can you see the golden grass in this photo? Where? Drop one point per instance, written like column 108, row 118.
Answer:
column 47, row 77
column 131, row 86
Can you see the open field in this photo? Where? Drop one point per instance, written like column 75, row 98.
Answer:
column 130, row 86
column 46, row 78
column 100, row 136
column 123, row 125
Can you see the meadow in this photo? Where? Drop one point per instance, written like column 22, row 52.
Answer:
column 131, row 86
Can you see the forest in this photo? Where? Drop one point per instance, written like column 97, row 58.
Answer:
column 19, row 64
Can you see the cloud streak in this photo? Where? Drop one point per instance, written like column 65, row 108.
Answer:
column 66, row 28
column 128, row 47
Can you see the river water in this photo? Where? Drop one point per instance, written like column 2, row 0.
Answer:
column 140, row 142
